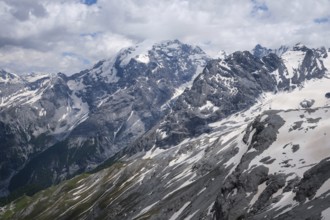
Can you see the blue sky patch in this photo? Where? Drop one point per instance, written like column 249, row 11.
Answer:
column 89, row 2
column 92, row 34
column 258, row 7
column 261, row 7
column 68, row 54
column 321, row 20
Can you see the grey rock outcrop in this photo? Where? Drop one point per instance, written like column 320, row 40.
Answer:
column 307, row 103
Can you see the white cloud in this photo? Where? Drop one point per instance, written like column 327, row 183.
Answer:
column 68, row 36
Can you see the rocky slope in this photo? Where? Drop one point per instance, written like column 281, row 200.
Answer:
column 231, row 85
column 57, row 126
column 261, row 157
column 36, row 111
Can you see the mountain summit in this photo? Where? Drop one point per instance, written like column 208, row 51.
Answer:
column 260, row 51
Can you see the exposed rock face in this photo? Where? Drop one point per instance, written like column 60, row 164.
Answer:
column 260, row 51
column 224, row 88
column 272, row 187
column 313, row 179
column 258, row 137
column 33, row 118
column 74, row 123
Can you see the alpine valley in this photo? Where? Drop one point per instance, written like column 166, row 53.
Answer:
column 164, row 131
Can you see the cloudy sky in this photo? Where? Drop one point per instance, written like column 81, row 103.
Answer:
column 70, row 35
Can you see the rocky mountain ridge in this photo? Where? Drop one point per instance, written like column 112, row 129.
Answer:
column 240, row 143
column 231, row 85
column 260, row 51
column 87, row 117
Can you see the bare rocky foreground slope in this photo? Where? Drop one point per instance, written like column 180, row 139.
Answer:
column 247, row 140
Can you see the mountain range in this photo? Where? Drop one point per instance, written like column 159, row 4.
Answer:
column 164, row 131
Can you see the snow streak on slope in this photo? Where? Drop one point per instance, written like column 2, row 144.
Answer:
column 186, row 85
column 106, row 71
column 11, row 78
column 32, row 77
column 72, row 115
column 24, row 96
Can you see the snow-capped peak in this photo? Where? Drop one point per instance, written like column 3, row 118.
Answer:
column 260, row 51
column 142, row 51
column 32, row 77
column 138, row 52
column 142, row 58
column 299, row 46
column 221, row 55
column 6, row 77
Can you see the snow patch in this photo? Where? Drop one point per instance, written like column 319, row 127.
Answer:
column 191, row 215
column 209, row 106
column 261, row 188
column 142, row 58
column 323, row 189
column 138, row 52
column 177, row 214
column 292, row 60
column 146, row 209
column 326, row 214
column 153, row 152
column 32, row 77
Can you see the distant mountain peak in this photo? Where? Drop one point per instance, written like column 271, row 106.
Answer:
column 281, row 50
column 6, row 77
column 221, row 55
column 140, row 52
column 261, row 51
column 299, row 47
